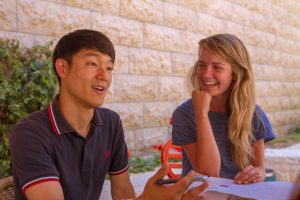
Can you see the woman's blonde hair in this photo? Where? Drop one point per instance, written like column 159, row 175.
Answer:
column 241, row 102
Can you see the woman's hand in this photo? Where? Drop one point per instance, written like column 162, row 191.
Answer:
column 250, row 174
column 201, row 102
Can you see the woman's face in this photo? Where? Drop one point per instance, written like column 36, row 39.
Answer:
column 214, row 73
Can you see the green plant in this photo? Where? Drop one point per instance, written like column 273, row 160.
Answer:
column 139, row 164
column 286, row 140
column 27, row 84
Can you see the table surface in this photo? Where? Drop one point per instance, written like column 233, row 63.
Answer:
column 261, row 191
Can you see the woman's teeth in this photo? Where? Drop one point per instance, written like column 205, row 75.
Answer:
column 209, row 83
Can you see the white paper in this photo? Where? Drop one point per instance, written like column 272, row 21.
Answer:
column 261, row 191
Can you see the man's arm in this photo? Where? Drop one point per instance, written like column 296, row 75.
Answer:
column 121, row 187
column 50, row 190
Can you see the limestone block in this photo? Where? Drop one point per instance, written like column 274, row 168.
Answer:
column 190, row 42
column 131, row 114
column 180, row 17
column 171, row 88
column 182, row 63
column 284, row 117
column 292, row 20
column 8, row 15
column 50, row 19
column 294, row 101
column 158, row 113
column 221, row 9
column 130, row 139
column 191, row 4
column 274, row 104
column 261, row 55
column 209, row 25
column 266, row 72
column 103, row 6
column 267, row 88
column 288, row 46
column 264, row 8
column 121, row 63
column 110, row 93
column 151, row 136
column 282, row 131
column 233, row 28
column 145, row 10
column 135, row 88
column 259, row 38
column 288, row 31
column 163, row 38
column 283, row 161
column 260, row 22
column 295, row 171
column 143, row 61
column 26, row 40
column 287, row 74
column 120, row 30
column 291, row 6
column 294, row 61
column 297, row 88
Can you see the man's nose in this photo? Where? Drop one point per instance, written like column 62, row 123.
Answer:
column 102, row 73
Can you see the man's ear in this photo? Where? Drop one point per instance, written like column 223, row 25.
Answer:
column 61, row 67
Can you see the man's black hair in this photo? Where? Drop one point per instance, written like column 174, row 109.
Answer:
column 73, row 42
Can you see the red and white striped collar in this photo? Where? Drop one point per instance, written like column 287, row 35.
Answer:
column 53, row 120
column 59, row 123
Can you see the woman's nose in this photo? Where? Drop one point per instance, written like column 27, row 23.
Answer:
column 206, row 71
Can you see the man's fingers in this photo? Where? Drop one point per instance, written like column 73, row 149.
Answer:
column 161, row 173
column 194, row 193
column 185, row 182
column 199, row 189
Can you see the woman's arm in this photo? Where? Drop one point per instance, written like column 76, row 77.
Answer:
column 204, row 154
column 255, row 172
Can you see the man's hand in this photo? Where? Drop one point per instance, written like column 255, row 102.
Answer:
column 175, row 191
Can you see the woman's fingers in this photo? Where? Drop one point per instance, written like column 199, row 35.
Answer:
column 249, row 174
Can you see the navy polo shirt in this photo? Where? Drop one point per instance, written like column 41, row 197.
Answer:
column 44, row 147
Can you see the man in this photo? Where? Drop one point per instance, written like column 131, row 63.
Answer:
column 66, row 150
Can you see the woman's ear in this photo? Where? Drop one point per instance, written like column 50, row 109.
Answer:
column 233, row 77
column 61, row 67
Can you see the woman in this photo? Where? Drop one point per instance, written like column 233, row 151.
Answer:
column 221, row 129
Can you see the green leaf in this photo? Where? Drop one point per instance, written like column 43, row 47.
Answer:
column 27, row 83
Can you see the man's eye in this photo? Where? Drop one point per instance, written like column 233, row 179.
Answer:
column 110, row 68
column 92, row 64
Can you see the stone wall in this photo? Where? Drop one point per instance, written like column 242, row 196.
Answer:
column 156, row 44
column 285, row 162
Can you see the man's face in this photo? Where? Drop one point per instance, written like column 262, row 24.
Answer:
column 88, row 78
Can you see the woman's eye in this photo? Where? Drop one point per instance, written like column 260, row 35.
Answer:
column 218, row 67
column 200, row 65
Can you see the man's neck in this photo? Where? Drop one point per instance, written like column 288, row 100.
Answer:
column 78, row 116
